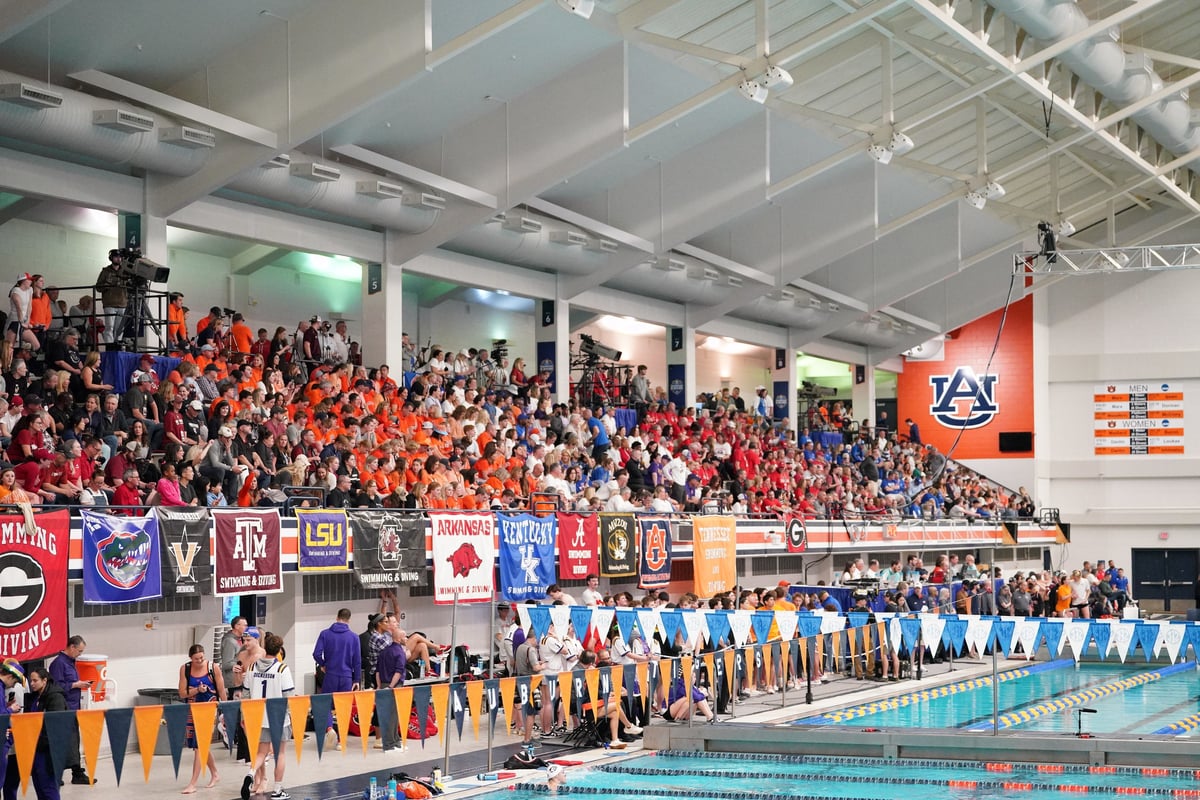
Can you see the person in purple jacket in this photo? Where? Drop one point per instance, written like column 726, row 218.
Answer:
column 339, row 657
column 389, row 673
column 64, row 673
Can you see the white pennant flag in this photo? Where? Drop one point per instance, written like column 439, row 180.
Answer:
column 561, row 617
column 831, row 622
column 739, row 625
column 1173, row 637
column 1122, row 636
column 602, row 620
column 649, row 622
column 895, row 636
column 932, row 627
column 696, row 625
column 1025, row 632
column 522, row 615
column 1077, row 633
column 787, row 622
column 978, row 631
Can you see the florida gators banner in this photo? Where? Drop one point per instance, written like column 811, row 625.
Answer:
column 464, row 557
column 248, row 552
column 714, row 554
column 654, row 553
column 121, row 558
column 33, row 584
column 618, row 545
column 526, row 555
column 323, row 537
column 578, row 546
column 389, row 549
column 186, row 555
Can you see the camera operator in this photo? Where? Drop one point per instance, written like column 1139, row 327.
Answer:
column 113, row 289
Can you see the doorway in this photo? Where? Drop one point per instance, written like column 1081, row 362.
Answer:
column 1165, row 579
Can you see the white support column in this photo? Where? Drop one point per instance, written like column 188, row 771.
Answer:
column 553, row 337
column 383, row 311
column 785, row 382
column 681, row 366
column 862, row 393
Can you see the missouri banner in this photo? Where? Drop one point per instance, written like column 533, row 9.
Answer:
column 618, row 545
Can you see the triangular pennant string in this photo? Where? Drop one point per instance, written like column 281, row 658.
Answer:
column 147, row 720
column 91, row 728
column 404, row 704
column 343, row 710
column 298, row 705
column 322, row 706
column 25, row 731
column 364, row 707
column 58, row 725
column 475, row 703
column 175, row 715
column 439, row 695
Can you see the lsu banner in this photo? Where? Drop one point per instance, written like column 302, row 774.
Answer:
column 714, row 554
column 526, row 555
column 248, row 552
column 464, row 557
column 578, row 546
column 389, row 549
column 186, row 556
column 654, row 562
column 33, row 584
column 323, row 540
column 121, row 559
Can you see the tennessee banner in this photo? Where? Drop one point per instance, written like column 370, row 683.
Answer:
column 33, row 584
column 248, row 552
column 464, row 557
column 577, row 546
column 389, row 549
column 323, row 540
column 186, row 557
column 654, row 562
column 714, row 554
column 526, row 555
column 121, row 562
column 617, row 545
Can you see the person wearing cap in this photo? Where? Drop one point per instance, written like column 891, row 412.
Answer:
column 20, row 301
column 112, row 287
column 138, row 403
column 764, row 406
column 219, row 465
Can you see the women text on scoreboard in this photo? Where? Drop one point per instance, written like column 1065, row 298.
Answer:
column 1136, row 419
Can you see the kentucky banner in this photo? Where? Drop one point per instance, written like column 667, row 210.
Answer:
column 121, row 560
column 464, row 557
column 654, row 563
column 186, row 555
column 248, row 552
column 578, row 546
column 389, row 549
column 526, row 555
column 618, row 551
column 322, row 537
column 33, row 584
column 714, row 554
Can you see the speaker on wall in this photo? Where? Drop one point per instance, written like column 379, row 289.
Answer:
column 1016, row 441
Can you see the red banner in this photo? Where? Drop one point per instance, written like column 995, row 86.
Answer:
column 33, row 584
column 248, row 552
column 578, row 546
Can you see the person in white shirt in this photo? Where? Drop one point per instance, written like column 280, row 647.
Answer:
column 677, row 472
column 621, row 502
column 269, row 678
column 555, row 594
column 764, row 406
column 591, row 595
column 662, row 503
column 554, row 482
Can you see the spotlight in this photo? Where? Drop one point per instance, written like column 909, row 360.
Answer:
column 777, row 78
column 1049, row 246
column 880, row 153
column 992, row 191
column 580, row 8
column 753, row 90
column 976, row 200
column 900, row 144
column 1065, row 228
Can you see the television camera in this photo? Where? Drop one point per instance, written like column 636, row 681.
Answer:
column 812, row 390
column 139, row 270
column 590, row 347
column 863, row 588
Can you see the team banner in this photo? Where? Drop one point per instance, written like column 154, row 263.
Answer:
column 618, row 553
column 578, row 546
column 121, row 560
column 186, row 555
column 654, row 550
column 389, row 549
column 464, row 557
column 796, row 534
column 323, row 540
column 526, row 555
column 714, row 554
column 33, row 584
column 248, row 552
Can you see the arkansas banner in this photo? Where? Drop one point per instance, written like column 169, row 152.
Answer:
column 526, row 555
column 323, row 540
column 618, row 551
column 578, row 546
column 654, row 562
column 714, row 554
column 464, row 557
column 121, row 559
column 389, row 549
column 33, row 584
column 186, row 555
column 248, row 550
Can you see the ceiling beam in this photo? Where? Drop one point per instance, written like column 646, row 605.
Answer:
column 18, row 209
column 17, row 15
column 417, row 175
column 254, row 258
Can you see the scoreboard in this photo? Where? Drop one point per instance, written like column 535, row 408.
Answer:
column 1136, row 419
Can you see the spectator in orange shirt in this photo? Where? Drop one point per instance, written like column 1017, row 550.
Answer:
column 177, row 333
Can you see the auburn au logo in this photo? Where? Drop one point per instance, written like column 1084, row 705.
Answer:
column 656, row 548
column 964, row 400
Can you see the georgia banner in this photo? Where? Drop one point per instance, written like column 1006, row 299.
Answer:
column 654, row 553
column 121, row 558
column 578, row 546
column 323, row 540
column 33, row 584
column 526, row 555
column 248, row 552
column 464, row 557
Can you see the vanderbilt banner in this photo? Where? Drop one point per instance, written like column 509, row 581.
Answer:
column 186, row 556
column 389, row 549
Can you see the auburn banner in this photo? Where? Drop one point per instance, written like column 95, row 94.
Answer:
column 33, row 584
column 323, row 537
column 714, row 554
column 248, row 552
column 526, row 555
column 464, row 557
column 389, row 549
column 578, row 546
column 618, row 545
column 121, row 559
column 186, row 556
column 654, row 562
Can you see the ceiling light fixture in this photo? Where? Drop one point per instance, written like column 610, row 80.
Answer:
column 580, row 8
column 880, row 153
column 992, row 190
column 976, row 200
column 777, row 78
column 753, row 91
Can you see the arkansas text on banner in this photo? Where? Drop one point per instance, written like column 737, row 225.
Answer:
column 389, row 549
column 247, row 546
column 578, row 546
column 186, row 555
column 322, row 540
column 33, row 584
column 714, row 554
column 526, row 555
column 464, row 557
column 654, row 563
column 121, row 562
column 618, row 545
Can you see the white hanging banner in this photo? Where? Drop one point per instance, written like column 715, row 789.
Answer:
column 650, row 622
column 1077, row 634
column 832, row 622
column 561, row 617
column 1173, row 638
column 932, row 627
column 1026, row 634
column 1122, row 636
column 739, row 626
column 895, row 637
column 522, row 615
column 979, row 630
column 786, row 621
column 696, row 625
column 602, row 620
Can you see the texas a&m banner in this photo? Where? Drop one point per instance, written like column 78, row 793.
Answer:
column 526, row 555
column 578, row 546
column 33, row 584
column 248, row 552
column 389, row 549
column 618, row 545
column 714, row 554
column 186, row 556
column 654, row 562
column 121, row 560
column 323, row 538
column 464, row 557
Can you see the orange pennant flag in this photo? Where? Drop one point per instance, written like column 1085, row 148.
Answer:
column 475, row 703
column 837, row 650
column 534, row 682
column 710, row 665
column 508, row 690
column 148, row 720
column 593, row 683
column 868, row 649
column 252, row 720
column 439, row 697
column 564, row 692
column 729, row 670
column 404, row 702
column 343, row 709
column 643, row 678
column 91, row 727
column 852, row 641
column 804, row 656
column 881, row 637
column 25, row 731
column 204, row 719
column 617, row 673
column 685, row 663
column 298, row 705
column 364, row 706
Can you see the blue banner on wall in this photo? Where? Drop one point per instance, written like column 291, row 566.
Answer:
column 779, row 392
column 122, row 562
column 545, row 361
column 654, row 555
column 675, row 386
column 527, row 548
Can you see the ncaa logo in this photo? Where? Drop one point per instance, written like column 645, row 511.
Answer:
column 781, row 400
column 677, row 386
column 963, row 400
column 546, row 365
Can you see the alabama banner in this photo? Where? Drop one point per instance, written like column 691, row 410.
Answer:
column 654, row 562
column 618, row 551
column 714, row 554
column 186, row 556
column 121, row 560
column 323, row 540
column 389, row 549
column 526, row 555
column 464, row 557
column 248, row 552
column 578, row 546
column 33, row 584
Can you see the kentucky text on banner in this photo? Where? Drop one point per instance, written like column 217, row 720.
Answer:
column 578, row 546
column 121, row 562
column 618, row 545
column 33, row 582
column 714, row 554
column 389, row 549
column 186, row 555
column 526, row 555
column 248, row 552
column 654, row 562
column 464, row 555
column 323, row 540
